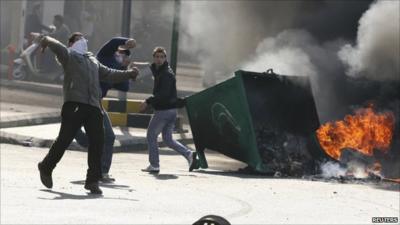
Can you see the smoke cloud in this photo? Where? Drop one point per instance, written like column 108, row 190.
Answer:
column 332, row 169
column 297, row 38
column 376, row 54
column 286, row 53
column 297, row 52
column 222, row 34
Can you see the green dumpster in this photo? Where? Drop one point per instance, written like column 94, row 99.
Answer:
column 227, row 117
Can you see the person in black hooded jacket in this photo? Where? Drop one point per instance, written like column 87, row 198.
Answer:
column 164, row 101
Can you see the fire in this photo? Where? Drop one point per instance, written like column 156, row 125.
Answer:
column 365, row 131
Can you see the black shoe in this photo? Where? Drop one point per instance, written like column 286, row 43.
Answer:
column 94, row 188
column 193, row 163
column 106, row 178
column 45, row 177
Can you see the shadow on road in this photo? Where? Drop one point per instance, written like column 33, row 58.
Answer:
column 239, row 174
column 107, row 185
column 165, row 176
column 63, row 196
column 387, row 186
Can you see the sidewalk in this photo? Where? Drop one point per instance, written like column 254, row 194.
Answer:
column 30, row 116
column 40, row 129
column 127, row 138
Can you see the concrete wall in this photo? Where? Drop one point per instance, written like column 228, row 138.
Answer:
column 51, row 8
column 12, row 19
column 151, row 21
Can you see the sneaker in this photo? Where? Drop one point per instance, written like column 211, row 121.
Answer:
column 106, row 178
column 46, row 178
column 151, row 169
column 94, row 188
column 192, row 160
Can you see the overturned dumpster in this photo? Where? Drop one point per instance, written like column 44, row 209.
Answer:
column 262, row 119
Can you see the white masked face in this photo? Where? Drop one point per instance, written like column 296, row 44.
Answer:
column 119, row 58
column 80, row 46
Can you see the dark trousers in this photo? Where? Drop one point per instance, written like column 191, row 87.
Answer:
column 109, row 139
column 73, row 116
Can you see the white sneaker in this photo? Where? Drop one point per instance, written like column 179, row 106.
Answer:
column 151, row 169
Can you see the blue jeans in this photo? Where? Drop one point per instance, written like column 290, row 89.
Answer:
column 109, row 138
column 163, row 121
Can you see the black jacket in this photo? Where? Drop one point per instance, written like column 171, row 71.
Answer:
column 164, row 89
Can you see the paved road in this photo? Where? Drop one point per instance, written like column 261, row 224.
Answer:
column 177, row 196
column 23, row 99
column 12, row 109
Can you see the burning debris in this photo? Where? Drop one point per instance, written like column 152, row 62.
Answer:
column 359, row 143
column 364, row 132
column 355, row 149
column 283, row 152
column 353, row 173
column 353, row 167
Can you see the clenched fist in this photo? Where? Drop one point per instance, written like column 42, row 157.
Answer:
column 134, row 72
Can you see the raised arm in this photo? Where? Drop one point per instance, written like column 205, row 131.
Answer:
column 111, row 47
column 56, row 47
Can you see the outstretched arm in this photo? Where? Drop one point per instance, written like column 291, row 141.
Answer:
column 115, row 76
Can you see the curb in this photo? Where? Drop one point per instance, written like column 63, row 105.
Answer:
column 27, row 141
column 30, row 120
column 121, row 145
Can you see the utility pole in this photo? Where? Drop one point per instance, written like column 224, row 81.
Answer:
column 175, row 35
column 125, row 31
column 126, row 18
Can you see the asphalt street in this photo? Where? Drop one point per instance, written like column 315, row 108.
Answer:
column 177, row 196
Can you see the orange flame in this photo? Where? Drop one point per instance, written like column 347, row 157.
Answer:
column 363, row 132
